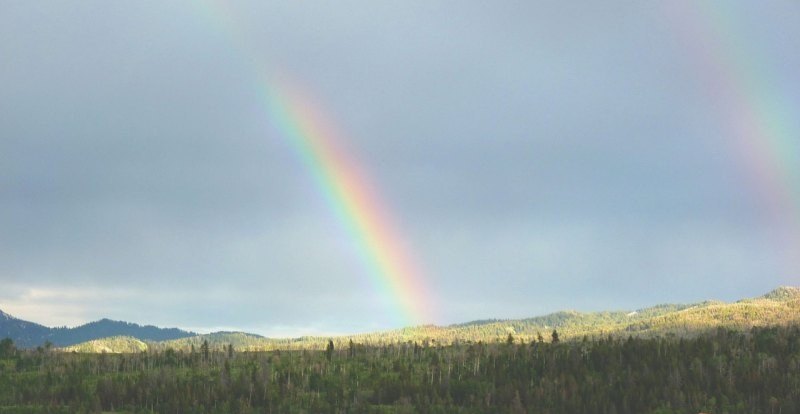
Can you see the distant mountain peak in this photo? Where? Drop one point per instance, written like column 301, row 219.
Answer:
column 783, row 293
column 6, row 317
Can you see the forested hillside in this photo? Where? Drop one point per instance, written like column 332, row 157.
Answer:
column 714, row 357
column 779, row 307
column 24, row 333
column 29, row 335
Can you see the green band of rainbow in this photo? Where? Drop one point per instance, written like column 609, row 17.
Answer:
column 762, row 120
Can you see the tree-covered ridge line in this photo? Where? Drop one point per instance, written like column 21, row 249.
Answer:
column 30, row 334
column 720, row 371
column 778, row 307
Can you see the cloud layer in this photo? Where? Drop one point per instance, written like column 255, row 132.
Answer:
column 536, row 157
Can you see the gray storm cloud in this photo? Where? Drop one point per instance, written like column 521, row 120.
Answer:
column 537, row 156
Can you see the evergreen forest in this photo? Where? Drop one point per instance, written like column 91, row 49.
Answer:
column 719, row 371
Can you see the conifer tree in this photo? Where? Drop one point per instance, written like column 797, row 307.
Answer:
column 329, row 350
column 204, row 349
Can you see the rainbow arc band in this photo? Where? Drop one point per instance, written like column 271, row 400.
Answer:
column 355, row 203
column 300, row 121
column 753, row 107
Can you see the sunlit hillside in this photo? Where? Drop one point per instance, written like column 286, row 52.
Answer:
column 115, row 345
column 778, row 307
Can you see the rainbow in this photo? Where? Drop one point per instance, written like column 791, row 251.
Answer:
column 341, row 181
column 762, row 121
column 350, row 197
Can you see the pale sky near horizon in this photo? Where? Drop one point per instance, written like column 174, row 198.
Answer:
column 537, row 156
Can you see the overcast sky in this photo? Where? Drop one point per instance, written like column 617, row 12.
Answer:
column 538, row 156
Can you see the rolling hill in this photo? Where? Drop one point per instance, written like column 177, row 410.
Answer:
column 30, row 335
column 778, row 307
column 108, row 328
column 116, row 344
